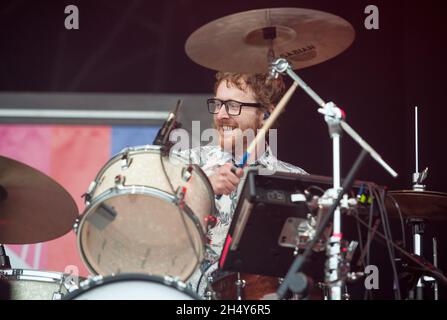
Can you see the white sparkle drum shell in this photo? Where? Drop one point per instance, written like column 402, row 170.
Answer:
column 134, row 224
column 26, row 284
column 132, row 287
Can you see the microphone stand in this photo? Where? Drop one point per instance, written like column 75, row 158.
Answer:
column 334, row 117
column 162, row 138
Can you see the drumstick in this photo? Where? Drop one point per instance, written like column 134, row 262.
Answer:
column 268, row 124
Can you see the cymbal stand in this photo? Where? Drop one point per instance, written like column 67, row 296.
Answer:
column 334, row 117
column 435, row 263
column 417, row 228
column 418, row 224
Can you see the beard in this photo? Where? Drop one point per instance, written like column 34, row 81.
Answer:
column 236, row 141
column 235, row 137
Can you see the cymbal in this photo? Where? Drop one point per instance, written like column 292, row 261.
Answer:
column 240, row 42
column 430, row 205
column 33, row 207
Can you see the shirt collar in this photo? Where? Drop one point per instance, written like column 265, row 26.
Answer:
column 266, row 158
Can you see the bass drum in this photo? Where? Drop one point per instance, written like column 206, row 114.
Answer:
column 146, row 213
column 243, row 286
column 132, row 287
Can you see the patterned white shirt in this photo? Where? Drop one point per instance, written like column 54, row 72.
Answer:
column 209, row 158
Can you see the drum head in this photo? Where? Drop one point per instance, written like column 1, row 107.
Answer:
column 137, row 230
column 132, row 287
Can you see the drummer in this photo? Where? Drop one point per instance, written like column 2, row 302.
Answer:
column 241, row 101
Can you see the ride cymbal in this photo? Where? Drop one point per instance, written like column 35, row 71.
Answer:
column 240, row 42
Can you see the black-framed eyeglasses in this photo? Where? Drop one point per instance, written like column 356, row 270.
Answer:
column 232, row 107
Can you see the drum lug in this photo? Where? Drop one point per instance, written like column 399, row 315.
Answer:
column 88, row 195
column 180, row 196
column 120, row 180
column 76, row 226
column 187, row 173
column 90, row 281
column 126, row 161
column 240, row 285
column 210, row 294
column 57, row 295
column 211, row 221
column 17, row 273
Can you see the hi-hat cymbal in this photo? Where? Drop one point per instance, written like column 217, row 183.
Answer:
column 240, row 42
column 33, row 207
column 430, row 205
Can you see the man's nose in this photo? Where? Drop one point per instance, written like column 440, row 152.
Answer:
column 222, row 114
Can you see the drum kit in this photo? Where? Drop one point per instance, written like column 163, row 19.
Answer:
column 143, row 231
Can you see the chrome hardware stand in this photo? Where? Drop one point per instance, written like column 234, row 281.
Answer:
column 334, row 117
column 417, row 224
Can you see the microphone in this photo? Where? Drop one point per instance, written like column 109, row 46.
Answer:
column 162, row 138
column 4, row 259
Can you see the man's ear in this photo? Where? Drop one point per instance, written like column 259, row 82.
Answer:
column 266, row 113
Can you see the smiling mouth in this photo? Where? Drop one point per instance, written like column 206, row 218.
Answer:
column 227, row 128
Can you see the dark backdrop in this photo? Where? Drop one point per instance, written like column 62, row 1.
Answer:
column 137, row 46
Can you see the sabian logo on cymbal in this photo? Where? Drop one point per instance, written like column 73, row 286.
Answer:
column 305, row 53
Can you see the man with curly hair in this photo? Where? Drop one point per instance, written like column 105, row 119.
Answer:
column 242, row 102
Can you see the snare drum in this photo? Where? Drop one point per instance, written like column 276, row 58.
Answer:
column 38, row 285
column 145, row 217
column 132, row 287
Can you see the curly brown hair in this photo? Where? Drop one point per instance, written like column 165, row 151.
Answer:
column 267, row 92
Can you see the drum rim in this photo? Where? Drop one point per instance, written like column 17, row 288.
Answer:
column 99, row 281
column 143, row 149
column 121, row 190
column 32, row 275
column 113, row 159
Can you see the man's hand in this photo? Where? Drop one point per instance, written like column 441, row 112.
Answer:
column 224, row 181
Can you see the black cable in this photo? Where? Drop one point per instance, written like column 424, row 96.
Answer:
column 387, row 235
column 191, row 241
column 391, row 237
column 387, row 231
column 371, row 213
column 207, row 268
column 362, row 250
column 203, row 273
column 369, row 293
column 316, row 188
column 378, row 195
column 401, row 218
column 436, row 274
column 359, row 233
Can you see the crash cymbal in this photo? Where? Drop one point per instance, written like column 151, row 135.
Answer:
column 430, row 205
column 33, row 207
column 240, row 42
